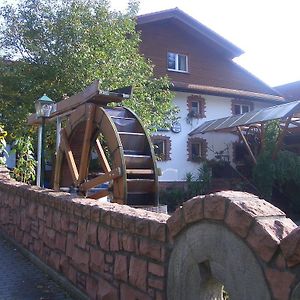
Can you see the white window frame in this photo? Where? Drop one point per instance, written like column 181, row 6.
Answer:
column 241, row 107
column 177, row 62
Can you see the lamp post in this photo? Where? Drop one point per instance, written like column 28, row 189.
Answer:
column 43, row 108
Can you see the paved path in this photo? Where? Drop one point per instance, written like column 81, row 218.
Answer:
column 20, row 279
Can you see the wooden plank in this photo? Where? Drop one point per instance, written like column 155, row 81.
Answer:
column 100, row 194
column 58, row 162
column 280, row 137
column 86, row 145
column 70, row 157
column 102, row 157
column 140, row 171
column 247, row 145
column 115, row 173
column 91, row 94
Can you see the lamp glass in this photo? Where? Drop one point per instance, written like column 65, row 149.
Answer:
column 43, row 106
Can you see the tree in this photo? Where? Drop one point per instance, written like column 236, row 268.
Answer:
column 60, row 47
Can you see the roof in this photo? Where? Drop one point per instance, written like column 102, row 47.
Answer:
column 291, row 91
column 212, row 90
column 266, row 114
column 177, row 14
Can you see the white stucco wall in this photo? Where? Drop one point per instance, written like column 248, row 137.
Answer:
column 215, row 107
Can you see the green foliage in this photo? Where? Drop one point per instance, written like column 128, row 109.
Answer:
column 26, row 164
column 196, row 185
column 199, row 184
column 3, row 134
column 282, row 172
column 63, row 46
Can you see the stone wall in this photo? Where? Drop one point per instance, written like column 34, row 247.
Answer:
column 107, row 250
column 111, row 251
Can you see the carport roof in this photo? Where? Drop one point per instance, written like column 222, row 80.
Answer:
column 276, row 112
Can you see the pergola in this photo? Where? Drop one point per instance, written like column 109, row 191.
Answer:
column 251, row 126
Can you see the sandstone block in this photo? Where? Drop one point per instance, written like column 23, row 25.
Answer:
column 129, row 242
column 121, row 267
column 91, row 287
column 280, row 283
column 193, row 209
column 176, row 222
column 60, row 242
column 127, row 292
column 150, row 249
column 106, row 291
column 92, row 233
column 103, row 238
column 114, row 241
column 266, row 234
column 82, row 233
column 290, row 247
column 158, row 231
column 81, row 259
column 214, row 207
column 156, row 269
column 97, row 262
column 57, row 220
column 138, row 272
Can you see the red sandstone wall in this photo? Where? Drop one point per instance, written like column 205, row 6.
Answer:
column 109, row 251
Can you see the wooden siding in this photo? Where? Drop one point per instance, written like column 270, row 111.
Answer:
column 207, row 64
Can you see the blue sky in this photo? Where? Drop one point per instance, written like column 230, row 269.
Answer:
column 267, row 30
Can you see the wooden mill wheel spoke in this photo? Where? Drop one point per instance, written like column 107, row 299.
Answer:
column 113, row 174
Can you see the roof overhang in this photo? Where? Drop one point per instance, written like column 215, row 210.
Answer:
column 220, row 91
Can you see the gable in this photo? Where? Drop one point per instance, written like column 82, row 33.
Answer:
column 209, row 62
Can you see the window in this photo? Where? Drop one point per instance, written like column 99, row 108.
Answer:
column 241, row 109
column 197, row 149
column 241, row 106
column 162, row 147
column 196, row 106
column 177, row 62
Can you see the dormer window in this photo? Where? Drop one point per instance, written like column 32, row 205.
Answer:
column 177, row 62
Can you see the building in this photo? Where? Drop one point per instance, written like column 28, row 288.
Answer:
column 207, row 85
column 290, row 91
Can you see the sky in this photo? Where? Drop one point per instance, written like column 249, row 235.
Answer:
column 267, row 30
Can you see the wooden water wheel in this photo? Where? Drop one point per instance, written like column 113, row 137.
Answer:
column 124, row 150
column 114, row 137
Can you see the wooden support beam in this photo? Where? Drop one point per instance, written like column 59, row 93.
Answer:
column 86, row 145
column 102, row 157
column 100, row 194
column 115, row 173
column 280, row 137
column 70, row 158
column 247, row 145
column 58, row 161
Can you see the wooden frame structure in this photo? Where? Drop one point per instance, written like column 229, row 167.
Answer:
column 251, row 126
column 126, row 167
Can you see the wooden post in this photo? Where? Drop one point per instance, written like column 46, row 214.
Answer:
column 280, row 137
column 70, row 157
column 86, row 145
column 247, row 145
